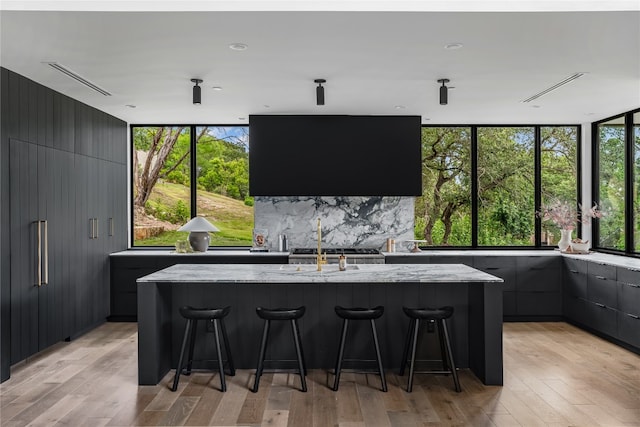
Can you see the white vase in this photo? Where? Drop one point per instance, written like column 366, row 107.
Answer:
column 565, row 239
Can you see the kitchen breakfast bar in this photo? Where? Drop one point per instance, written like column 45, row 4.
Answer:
column 475, row 328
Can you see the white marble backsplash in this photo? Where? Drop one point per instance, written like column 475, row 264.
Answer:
column 364, row 222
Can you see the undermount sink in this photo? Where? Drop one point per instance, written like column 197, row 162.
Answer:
column 311, row 268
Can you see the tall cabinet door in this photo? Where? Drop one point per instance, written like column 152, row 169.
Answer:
column 23, row 159
column 38, row 241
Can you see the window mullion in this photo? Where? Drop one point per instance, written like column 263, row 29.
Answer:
column 193, row 172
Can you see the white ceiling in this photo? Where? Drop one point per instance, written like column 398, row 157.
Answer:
column 384, row 55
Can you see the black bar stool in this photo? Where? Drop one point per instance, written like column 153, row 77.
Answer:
column 216, row 317
column 358, row 314
column 433, row 315
column 291, row 314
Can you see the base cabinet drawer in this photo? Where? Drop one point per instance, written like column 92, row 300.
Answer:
column 539, row 274
column 539, row 303
column 602, row 290
column 575, row 309
column 629, row 328
column 575, row 283
column 602, row 318
column 629, row 298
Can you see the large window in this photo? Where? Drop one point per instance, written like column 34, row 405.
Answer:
column 506, row 196
column 183, row 171
column 443, row 213
column 515, row 171
column 558, row 173
column 616, row 182
column 611, row 183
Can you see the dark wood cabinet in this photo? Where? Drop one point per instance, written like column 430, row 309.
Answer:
column 505, row 268
column 56, row 278
column 628, row 292
column 40, row 268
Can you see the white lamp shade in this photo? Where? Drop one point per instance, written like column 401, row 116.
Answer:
column 198, row 224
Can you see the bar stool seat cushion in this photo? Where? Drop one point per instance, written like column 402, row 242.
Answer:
column 204, row 313
column 280, row 313
column 357, row 313
column 429, row 313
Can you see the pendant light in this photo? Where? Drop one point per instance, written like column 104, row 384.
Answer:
column 320, row 91
column 444, row 92
column 197, row 95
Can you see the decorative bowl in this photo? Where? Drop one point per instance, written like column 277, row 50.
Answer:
column 580, row 247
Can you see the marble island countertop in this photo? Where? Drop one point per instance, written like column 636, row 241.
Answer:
column 306, row 273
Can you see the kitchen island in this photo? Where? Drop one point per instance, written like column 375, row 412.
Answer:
column 476, row 327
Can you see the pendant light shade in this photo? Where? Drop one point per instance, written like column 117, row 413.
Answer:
column 444, row 92
column 197, row 94
column 320, row 91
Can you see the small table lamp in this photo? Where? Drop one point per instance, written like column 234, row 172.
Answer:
column 199, row 229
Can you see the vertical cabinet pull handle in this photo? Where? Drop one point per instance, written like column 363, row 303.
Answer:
column 42, row 253
column 91, row 228
column 38, row 255
column 96, row 222
column 110, row 226
column 46, row 252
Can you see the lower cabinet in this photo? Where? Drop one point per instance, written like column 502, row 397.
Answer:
column 628, row 292
column 603, row 298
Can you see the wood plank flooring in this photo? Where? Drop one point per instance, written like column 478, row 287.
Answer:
column 555, row 375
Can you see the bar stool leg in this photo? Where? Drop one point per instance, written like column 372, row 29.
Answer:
column 223, row 384
column 452, row 365
column 296, row 339
column 304, row 364
column 263, row 349
column 194, row 329
column 343, row 338
column 185, row 340
column 413, row 355
column 407, row 343
column 443, row 350
column 225, row 337
column 383, row 380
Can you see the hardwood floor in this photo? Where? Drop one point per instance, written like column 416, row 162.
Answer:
column 555, row 375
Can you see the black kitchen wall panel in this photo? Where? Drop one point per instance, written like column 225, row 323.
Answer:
column 62, row 162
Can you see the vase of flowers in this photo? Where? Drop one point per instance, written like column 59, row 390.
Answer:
column 565, row 217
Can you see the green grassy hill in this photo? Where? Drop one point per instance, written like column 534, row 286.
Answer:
column 232, row 217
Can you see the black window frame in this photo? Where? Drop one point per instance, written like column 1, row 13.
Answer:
column 629, row 175
column 537, row 182
column 193, row 175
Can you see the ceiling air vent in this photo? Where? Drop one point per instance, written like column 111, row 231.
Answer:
column 555, row 86
column 75, row 76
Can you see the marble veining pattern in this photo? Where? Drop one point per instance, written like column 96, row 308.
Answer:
column 346, row 221
column 363, row 273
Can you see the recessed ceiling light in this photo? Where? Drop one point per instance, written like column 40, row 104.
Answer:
column 238, row 46
column 216, row 88
column 266, row 106
column 242, row 118
column 425, row 119
column 130, row 106
column 399, row 107
column 453, row 46
column 535, row 106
